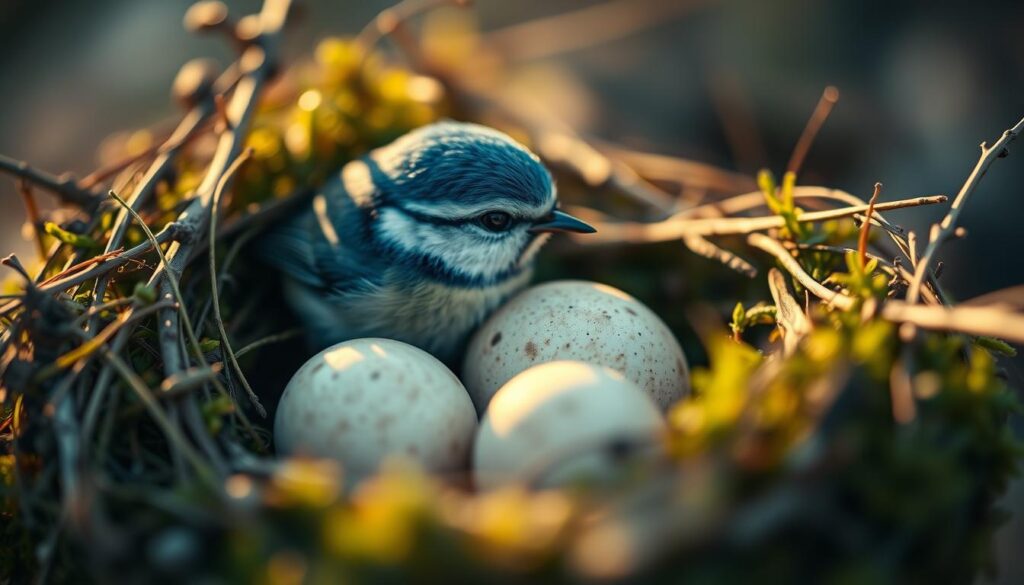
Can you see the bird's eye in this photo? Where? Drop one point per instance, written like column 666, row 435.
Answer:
column 496, row 221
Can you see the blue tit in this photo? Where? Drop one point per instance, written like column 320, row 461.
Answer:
column 419, row 240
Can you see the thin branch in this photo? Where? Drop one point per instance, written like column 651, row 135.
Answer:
column 32, row 212
column 107, row 263
column 865, row 228
column 276, row 338
column 225, row 341
column 564, row 148
column 258, row 65
column 78, row 356
column 1012, row 297
column 170, row 430
column 890, row 267
column 773, row 247
column 947, row 228
column 677, row 227
column 64, row 187
column 661, row 167
column 828, row 99
column 994, row 321
column 703, row 247
column 191, row 127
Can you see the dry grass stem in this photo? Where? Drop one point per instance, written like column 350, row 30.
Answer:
column 828, row 100
column 677, row 227
column 865, row 228
column 703, row 247
column 785, row 257
column 993, row 321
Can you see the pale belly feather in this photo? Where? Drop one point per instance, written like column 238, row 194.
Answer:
column 429, row 315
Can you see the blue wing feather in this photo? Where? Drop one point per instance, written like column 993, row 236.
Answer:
column 299, row 248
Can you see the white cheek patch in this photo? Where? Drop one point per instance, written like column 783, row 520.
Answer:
column 459, row 250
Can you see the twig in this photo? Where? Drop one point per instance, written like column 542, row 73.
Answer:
column 113, row 304
column 184, row 134
column 890, row 267
column 225, row 341
column 224, row 268
column 188, row 380
column 64, row 186
column 773, row 247
column 170, row 232
column 77, row 357
column 189, row 127
column 865, row 228
column 171, row 431
column 994, row 321
column 32, row 212
column 172, row 279
column 99, row 390
column 912, row 247
column 703, row 247
column 677, row 227
column 160, row 166
column 171, row 354
column 564, row 148
column 258, row 64
column 1012, row 297
column 947, row 228
column 80, row 266
column 661, row 167
column 278, row 337
column 828, row 99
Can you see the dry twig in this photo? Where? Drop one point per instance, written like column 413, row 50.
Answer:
column 772, row 246
column 65, row 187
column 225, row 342
column 947, row 228
column 677, row 226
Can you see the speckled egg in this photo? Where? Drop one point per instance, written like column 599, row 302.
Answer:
column 364, row 400
column 563, row 423
column 576, row 320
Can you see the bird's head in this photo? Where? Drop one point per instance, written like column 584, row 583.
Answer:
column 462, row 200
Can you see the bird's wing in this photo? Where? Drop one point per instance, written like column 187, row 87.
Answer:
column 322, row 246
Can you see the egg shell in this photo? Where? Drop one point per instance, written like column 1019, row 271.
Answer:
column 563, row 422
column 576, row 320
column 364, row 400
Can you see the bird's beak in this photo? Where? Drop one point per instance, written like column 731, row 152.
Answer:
column 560, row 221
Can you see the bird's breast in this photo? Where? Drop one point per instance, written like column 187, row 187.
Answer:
column 434, row 316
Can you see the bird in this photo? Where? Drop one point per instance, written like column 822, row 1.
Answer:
column 419, row 240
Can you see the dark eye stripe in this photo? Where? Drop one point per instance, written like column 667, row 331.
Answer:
column 431, row 219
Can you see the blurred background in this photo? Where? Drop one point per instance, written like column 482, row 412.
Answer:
column 730, row 82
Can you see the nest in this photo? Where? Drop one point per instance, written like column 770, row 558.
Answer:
column 866, row 440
